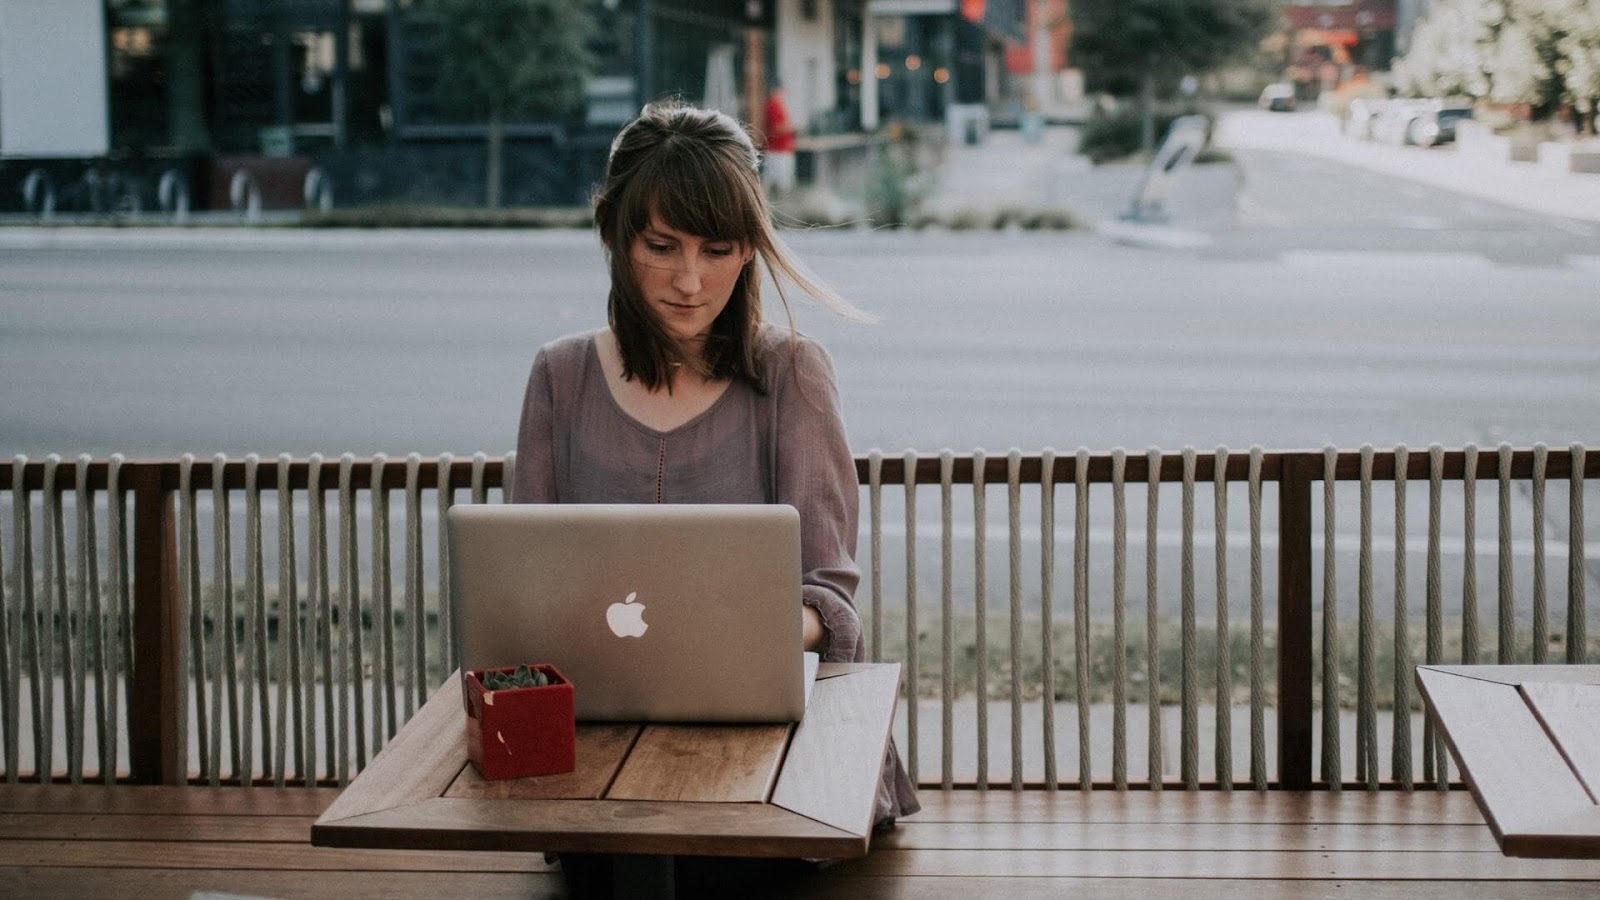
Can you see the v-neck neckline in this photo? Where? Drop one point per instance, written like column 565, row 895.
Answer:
column 616, row 404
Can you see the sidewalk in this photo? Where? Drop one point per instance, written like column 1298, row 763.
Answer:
column 1007, row 172
column 1517, row 184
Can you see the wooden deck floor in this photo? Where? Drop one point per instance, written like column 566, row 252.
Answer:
column 63, row 841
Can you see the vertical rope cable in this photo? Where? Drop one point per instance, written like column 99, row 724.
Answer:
column 1541, row 613
column 79, row 623
column 383, row 686
column 875, row 513
column 1469, row 557
column 1258, row 632
column 980, row 585
column 55, row 610
column 947, row 465
column 225, row 652
column 1014, row 535
column 1577, row 626
column 1152, row 642
column 1189, row 734
column 1506, row 649
column 445, row 496
column 1080, row 613
column 1366, row 698
column 321, row 611
column 254, row 601
column 1332, row 770
column 352, row 701
column 1119, row 636
column 121, row 634
column 415, row 632
column 10, row 668
column 1047, row 582
column 480, row 492
column 912, row 662
column 1400, row 763
column 508, row 481
column 1224, row 675
column 288, row 676
column 29, row 632
column 1435, row 768
column 103, row 636
column 86, row 604
column 193, row 600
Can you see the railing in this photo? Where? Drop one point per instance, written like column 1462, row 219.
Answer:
column 316, row 660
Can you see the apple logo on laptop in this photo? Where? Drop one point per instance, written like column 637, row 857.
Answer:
column 626, row 619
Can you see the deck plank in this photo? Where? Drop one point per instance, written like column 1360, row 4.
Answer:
column 163, row 827
column 261, row 855
column 1337, row 865
column 828, row 886
column 1264, row 807
column 54, row 883
column 146, row 800
column 1212, row 837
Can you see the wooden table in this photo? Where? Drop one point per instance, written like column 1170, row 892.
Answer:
column 651, row 792
column 1527, row 738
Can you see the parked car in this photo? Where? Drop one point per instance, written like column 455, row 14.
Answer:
column 1277, row 97
column 1436, row 126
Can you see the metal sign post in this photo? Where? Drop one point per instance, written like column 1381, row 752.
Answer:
column 1184, row 141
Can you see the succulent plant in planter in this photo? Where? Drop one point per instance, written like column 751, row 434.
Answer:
column 498, row 680
column 519, row 721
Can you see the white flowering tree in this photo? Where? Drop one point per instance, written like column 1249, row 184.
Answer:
column 1545, row 53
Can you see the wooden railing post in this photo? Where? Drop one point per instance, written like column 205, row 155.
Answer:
column 153, row 727
column 1295, row 715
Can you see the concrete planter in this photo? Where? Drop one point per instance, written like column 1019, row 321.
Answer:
column 1564, row 157
column 1478, row 141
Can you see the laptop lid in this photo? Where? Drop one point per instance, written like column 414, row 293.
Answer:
column 663, row 612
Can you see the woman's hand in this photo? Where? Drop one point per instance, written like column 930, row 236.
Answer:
column 812, row 632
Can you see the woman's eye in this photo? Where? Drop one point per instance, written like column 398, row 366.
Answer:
column 657, row 248
column 720, row 251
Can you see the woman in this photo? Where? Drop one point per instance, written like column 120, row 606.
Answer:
column 688, row 396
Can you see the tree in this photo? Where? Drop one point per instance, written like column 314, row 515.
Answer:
column 1579, row 45
column 1545, row 53
column 1144, row 45
column 509, row 59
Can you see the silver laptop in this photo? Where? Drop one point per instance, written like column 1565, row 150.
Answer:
column 660, row 613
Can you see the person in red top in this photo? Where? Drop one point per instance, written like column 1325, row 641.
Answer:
column 777, row 167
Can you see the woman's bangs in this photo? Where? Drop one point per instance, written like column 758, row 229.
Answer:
column 698, row 196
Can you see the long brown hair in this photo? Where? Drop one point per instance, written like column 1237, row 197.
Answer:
column 696, row 171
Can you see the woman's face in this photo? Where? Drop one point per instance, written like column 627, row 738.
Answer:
column 686, row 280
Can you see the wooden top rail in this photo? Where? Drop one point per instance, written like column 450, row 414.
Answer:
column 1558, row 465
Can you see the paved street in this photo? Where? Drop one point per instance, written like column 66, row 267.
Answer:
column 1285, row 338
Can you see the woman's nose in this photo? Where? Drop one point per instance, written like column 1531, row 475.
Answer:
column 686, row 276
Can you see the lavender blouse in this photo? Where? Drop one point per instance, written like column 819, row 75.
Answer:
column 577, row 445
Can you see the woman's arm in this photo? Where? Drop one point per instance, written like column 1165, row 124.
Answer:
column 534, row 478
column 816, row 474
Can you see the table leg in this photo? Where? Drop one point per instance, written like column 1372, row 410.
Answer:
column 643, row 877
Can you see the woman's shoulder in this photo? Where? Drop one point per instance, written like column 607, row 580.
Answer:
column 792, row 360
column 566, row 354
column 781, row 348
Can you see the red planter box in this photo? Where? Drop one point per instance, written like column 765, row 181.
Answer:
column 518, row 732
